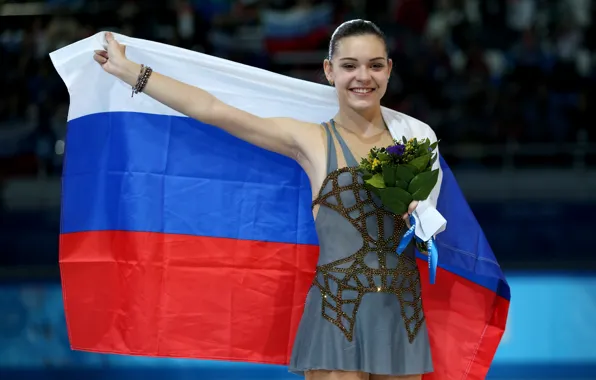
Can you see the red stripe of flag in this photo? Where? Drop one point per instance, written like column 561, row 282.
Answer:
column 184, row 296
column 465, row 324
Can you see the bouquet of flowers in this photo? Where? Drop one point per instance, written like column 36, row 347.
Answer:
column 401, row 173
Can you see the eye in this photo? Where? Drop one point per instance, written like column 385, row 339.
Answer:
column 378, row 66
column 348, row 66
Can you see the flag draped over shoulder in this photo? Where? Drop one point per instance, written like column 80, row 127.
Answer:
column 180, row 240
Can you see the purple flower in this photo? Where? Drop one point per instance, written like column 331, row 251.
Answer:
column 396, row 150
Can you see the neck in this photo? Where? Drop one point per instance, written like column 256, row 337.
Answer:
column 365, row 123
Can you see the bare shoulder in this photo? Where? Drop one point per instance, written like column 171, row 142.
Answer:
column 309, row 142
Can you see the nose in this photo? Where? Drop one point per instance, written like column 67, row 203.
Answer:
column 363, row 75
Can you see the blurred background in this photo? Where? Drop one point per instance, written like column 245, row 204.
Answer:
column 508, row 86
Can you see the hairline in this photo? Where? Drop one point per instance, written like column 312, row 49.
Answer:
column 367, row 33
column 356, row 59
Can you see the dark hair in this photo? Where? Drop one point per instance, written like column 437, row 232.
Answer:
column 354, row 28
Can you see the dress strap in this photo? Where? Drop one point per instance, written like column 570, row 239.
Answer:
column 348, row 156
column 331, row 154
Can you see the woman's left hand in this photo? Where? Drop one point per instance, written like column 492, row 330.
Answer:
column 411, row 209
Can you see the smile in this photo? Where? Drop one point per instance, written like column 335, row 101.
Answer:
column 362, row 91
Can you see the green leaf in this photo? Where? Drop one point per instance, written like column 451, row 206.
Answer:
column 396, row 193
column 433, row 160
column 420, row 162
column 373, row 189
column 404, row 173
column 434, row 145
column 422, row 184
column 376, row 181
column 425, row 148
column 402, row 184
column 403, row 138
column 396, row 199
column 412, row 168
column 389, row 175
column 383, row 157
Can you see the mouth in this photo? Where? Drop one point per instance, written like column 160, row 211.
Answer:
column 362, row 91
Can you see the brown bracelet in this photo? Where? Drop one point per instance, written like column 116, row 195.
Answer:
column 142, row 79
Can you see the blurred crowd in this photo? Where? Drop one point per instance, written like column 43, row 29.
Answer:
column 485, row 74
column 480, row 72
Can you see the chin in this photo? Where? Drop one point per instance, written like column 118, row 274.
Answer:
column 363, row 105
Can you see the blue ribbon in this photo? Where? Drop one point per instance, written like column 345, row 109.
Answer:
column 431, row 249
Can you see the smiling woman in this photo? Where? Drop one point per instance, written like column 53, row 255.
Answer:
column 363, row 318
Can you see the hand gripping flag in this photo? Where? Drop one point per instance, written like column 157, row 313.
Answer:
column 179, row 240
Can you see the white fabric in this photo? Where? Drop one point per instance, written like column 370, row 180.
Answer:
column 254, row 90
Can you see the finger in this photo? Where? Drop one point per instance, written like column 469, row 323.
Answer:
column 99, row 59
column 102, row 53
column 412, row 207
column 111, row 41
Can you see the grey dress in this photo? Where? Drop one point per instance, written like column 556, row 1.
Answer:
column 364, row 309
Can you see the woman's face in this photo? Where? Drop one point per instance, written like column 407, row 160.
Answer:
column 360, row 71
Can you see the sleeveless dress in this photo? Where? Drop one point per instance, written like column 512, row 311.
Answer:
column 364, row 309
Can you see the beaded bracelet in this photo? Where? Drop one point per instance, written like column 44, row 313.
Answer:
column 142, row 79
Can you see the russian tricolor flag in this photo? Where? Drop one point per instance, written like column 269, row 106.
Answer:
column 179, row 240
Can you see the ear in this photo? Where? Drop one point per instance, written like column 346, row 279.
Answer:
column 328, row 67
column 389, row 67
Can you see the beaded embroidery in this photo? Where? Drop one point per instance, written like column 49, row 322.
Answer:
column 352, row 275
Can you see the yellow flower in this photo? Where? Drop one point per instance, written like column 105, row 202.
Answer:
column 375, row 163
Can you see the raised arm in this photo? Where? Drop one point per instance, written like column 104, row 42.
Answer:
column 281, row 135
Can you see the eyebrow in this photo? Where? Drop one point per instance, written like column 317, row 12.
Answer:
column 354, row 59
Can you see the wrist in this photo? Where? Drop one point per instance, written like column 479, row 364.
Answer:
column 128, row 72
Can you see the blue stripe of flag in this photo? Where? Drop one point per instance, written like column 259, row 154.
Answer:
column 156, row 173
column 463, row 247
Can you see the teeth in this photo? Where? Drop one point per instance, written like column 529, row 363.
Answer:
column 362, row 90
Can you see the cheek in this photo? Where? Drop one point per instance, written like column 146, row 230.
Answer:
column 381, row 78
column 342, row 79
